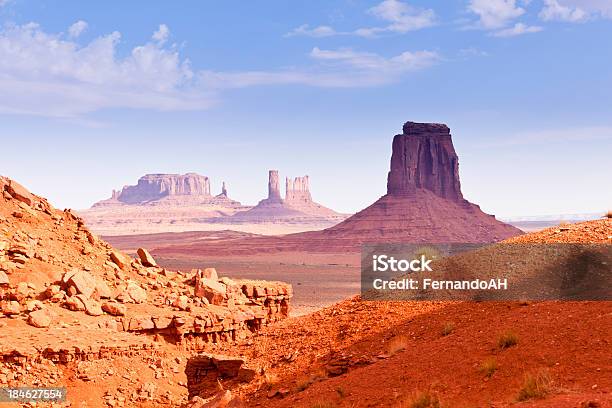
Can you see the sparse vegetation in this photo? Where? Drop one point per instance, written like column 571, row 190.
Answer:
column 535, row 386
column 488, row 367
column 507, row 340
column 340, row 392
column 424, row 400
column 397, row 344
column 448, row 328
column 270, row 380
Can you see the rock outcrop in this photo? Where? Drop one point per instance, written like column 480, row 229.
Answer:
column 160, row 203
column 297, row 190
column 273, row 186
column 156, row 186
column 423, row 203
column 424, row 157
column 297, row 207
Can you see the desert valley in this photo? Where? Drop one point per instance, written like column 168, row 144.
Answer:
column 315, row 204
column 228, row 318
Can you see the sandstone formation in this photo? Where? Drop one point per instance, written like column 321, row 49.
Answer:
column 161, row 202
column 273, row 186
column 156, row 186
column 424, row 158
column 423, row 203
column 67, row 298
column 296, row 207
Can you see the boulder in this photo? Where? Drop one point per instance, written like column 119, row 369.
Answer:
column 10, row 308
column 119, row 259
column 18, row 192
column 4, row 280
column 83, row 282
column 75, row 304
column 115, row 309
column 215, row 292
column 182, row 302
column 138, row 323
column 39, row 318
column 210, row 273
column 145, row 257
column 136, row 293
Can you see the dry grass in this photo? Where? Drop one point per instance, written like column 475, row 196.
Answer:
column 424, row 400
column 488, row 367
column 535, row 386
column 397, row 344
column 448, row 328
column 270, row 380
column 507, row 340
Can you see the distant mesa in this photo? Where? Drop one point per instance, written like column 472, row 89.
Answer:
column 296, row 207
column 175, row 188
column 423, row 203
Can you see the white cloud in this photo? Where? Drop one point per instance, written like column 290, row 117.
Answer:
column 517, row 29
column 44, row 74
column 401, row 18
column 50, row 75
column 77, row 29
column 162, row 34
column 593, row 8
column 339, row 68
column 495, row 14
column 553, row 10
column 305, row 30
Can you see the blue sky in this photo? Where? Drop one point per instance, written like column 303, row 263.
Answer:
column 95, row 94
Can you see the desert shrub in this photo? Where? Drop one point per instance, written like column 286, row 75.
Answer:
column 340, row 392
column 536, row 385
column 488, row 367
column 448, row 328
column 507, row 339
column 424, row 400
column 270, row 380
column 397, row 344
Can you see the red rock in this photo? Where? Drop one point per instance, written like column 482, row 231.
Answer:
column 39, row 318
column 210, row 273
column 119, row 259
column 138, row 323
column 145, row 257
column 213, row 291
column 75, row 304
column 115, row 309
column 4, row 280
column 136, row 293
column 10, row 308
column 18, row 192
column 83, row 282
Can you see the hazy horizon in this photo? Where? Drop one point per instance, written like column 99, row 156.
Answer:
column 95, row 95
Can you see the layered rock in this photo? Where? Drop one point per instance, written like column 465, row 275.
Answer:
column 273, row 186
column 297, row 206
column 423, row 203
column 159, row 203
column 297, row 190
column 424, row 157
column 156, row 186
